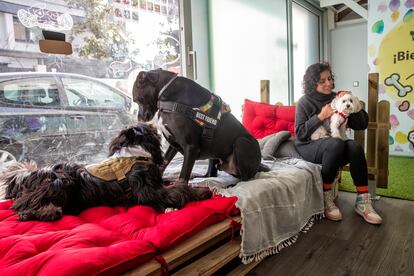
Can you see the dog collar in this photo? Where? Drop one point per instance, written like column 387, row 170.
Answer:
column 166, row 86
column 344, row 117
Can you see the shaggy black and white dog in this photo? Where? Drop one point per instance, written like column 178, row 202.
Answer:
column 129, row 177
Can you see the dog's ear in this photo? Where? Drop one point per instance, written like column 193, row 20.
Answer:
column 151, row 142
column 116, row 143
column 141, row 77
column 127, row 137
column 333, row 103
column 357, row 104
column 153, row 76
column 134, row 132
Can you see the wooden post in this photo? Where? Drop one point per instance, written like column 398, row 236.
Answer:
column 359, row 135
column 383, row 134
column 264, row 91
column 372, row 125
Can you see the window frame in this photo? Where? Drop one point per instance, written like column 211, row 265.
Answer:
column 310, row 6
column 53, row 81
column 27, row 31
column 94, row 83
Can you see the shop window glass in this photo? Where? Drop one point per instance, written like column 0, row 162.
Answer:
column 112, row 41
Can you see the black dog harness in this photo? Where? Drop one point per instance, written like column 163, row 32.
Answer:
column 206, row 116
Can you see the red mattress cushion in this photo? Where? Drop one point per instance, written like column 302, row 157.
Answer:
column 101, row 239
column 262, row 119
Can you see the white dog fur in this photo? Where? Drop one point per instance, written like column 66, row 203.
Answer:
column 344, row 105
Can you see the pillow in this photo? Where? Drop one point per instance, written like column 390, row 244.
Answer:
column 262, row 119
column 278, row 145
column 287, row 149
column 270, row 144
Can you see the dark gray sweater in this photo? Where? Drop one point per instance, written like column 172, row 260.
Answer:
column 306, row 117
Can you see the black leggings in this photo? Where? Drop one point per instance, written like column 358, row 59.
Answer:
column 334, row 153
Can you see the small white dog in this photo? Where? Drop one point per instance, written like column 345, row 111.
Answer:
column 344, row 105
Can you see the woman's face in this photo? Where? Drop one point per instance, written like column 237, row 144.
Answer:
column 325, row 83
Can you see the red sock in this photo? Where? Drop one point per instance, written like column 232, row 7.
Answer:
column 327, row 186
column 362, row 189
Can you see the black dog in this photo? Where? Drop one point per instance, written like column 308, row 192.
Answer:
column 131, row 176
column 198, row 124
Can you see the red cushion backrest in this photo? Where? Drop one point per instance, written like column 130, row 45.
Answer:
column 262, row 119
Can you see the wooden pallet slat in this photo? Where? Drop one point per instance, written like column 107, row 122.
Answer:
column 213, row 261
column 186, row 250
column 243, row 269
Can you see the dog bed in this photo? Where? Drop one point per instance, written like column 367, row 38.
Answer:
column 100, row 240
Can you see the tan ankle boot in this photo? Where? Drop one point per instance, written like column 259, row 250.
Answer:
column 332, row 212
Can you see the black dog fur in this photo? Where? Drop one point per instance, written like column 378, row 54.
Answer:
column 68, row 188
column 233, row 149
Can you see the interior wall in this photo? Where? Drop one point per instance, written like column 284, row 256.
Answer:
column 348, row 48
column 248, row 41
column 200, row 33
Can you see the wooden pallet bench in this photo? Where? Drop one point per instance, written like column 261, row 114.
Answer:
column 203, row 254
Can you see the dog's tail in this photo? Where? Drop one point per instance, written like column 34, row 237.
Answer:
column 15, row 176
column 247, row 155
column 263, row 168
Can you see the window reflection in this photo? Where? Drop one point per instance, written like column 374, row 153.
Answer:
column 50, row 117
column 112, row 39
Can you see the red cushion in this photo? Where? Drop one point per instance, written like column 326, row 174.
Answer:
column 101, row 239
column 262, row 119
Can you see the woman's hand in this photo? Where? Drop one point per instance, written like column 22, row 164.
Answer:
column 326, row 112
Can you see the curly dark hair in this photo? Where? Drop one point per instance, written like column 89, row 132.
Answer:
column 312, row 76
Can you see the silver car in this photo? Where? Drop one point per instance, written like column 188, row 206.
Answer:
column 54, row 117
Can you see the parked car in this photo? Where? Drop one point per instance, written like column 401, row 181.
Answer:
column 52, row 117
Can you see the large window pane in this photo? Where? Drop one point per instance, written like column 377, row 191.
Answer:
column 68, row 117
column 249, row 44
column 306, row 44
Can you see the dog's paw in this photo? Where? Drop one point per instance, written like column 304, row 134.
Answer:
column 181, row 181
column 203, row 193
column 49, row 213
column 25, row 215
column 51, row 217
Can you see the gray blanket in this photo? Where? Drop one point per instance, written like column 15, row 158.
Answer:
column 275, row 207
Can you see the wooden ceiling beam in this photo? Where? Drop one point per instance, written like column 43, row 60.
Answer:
column 350, row 3
column 344, row 12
